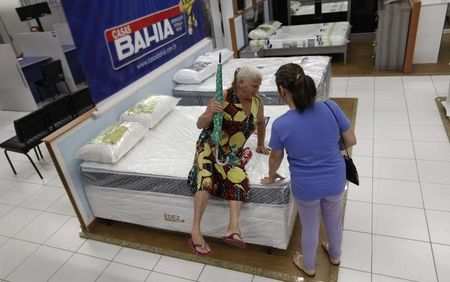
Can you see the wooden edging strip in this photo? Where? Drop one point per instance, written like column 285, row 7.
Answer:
column 412, row 34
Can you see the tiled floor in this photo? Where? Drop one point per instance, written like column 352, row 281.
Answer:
column 396, row 228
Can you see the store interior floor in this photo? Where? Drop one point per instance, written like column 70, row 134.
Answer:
column 396, row 226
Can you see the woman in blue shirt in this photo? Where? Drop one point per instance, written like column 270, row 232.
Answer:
column 309, row 132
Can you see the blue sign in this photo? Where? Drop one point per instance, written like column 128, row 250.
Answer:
column 120, row 41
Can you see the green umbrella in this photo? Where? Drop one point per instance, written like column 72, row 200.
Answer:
column 216, row 135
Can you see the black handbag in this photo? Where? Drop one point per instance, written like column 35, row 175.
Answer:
column 350, row 168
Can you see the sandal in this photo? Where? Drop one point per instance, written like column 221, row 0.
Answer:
column 236, row 242
column 325, row 246
column 297, row 259
column 195, row 248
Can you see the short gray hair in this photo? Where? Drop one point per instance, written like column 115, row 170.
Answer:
column 245, row 73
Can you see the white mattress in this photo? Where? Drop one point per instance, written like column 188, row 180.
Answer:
column 308, row 35
column 297, row 9
column 314, row 66
column 166, row 154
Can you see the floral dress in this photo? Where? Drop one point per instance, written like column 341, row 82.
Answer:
column 230, row 181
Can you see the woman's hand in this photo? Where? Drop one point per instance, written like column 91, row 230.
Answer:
column 271, row 179
column 263, row 150
column 213, row 107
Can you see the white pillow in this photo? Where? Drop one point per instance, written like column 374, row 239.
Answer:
column 112, row 143
column 196, row 73
column 150, row 110
column 264, row 30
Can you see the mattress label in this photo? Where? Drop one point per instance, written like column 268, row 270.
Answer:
column 173, row 218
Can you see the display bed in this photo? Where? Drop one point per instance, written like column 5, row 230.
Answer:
column 148, row 186
column 297, row 9
column 318, row 67
column 320, row 38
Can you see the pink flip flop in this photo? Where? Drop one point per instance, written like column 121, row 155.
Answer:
column 231, row 240
column 196, row 246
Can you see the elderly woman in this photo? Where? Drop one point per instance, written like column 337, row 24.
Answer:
column 243, row 112
column 309, row 132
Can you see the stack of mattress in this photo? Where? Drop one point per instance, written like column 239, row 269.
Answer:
column 148, row 185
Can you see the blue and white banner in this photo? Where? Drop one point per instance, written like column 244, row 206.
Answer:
column 120, row 41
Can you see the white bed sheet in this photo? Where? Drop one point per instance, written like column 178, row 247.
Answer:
column 314, row 66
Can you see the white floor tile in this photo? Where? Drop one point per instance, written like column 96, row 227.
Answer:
column 137, row 258
column 424, row 118
column 434, row 171
column 264, row 279
column 13, row 253
column 20, row 193
column 441, row 82
column 350, row 275
column 363, row 192
column 179, row 268
column 3, row 239
column 4, row 209
column 5, row 185
column 40, row 266
column 364, row 131
column 117, row 272
column 390, row 104
column 401, row 258
column 99, row 249
column 442, row 258
column 397, row 192
column 421, row 104
column 388, row 83
column 80, row 268
column 212, row 273
column 439, row 225
column 361, row 83
column 42, row 227
column 363, row 148
column 393, row 149
column 62, row 206
column 15, row 220
column 43, row 198
column 400, row 169
column 389, row 94
column 390, row 117
column 429, row 133
column 365, row 117
column 396, row 221
column 433, row 151
column 363, row 165
column 67, row 237
column 358, row 216
column 392, row 132
column 381, row 278
column 356, row 251
column 418, row 83
column 364, row 103
column 160, row 277
column 436, row 196
column 339, row 83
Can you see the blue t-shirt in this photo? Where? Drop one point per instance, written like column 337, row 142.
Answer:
column 311, row 141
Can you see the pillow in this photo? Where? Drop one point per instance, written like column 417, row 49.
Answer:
column 112, row 143
column 264, row 30
column 213, row 56
column 196, row 73
column 150, row 110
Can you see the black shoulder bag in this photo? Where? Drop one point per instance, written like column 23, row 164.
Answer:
column 350, row 168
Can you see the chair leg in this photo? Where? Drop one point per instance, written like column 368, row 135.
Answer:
column 35, row 151
column 10, row 163
column 40, row 153
column 35, row 167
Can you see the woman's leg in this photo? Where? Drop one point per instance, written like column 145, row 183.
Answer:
column 332, row 218
column 200, row 203
column 309, row 212
column 233, row 225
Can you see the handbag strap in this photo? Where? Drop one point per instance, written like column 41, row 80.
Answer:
column 339, row 126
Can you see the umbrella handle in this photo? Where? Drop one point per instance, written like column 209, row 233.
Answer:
column 218, row 160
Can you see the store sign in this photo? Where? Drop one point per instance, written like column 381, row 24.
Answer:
column 120, row 41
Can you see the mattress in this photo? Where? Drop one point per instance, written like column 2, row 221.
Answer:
column 297, row 9
column 148, row 185
column 315, row 66
column 162, row 160
column 310, row 35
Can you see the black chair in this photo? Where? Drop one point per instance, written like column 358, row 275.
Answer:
column 59, row 112
column 30, row 130
column 82, row 101
column 52, row 74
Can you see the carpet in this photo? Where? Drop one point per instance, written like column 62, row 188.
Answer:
column 257, row 260
column 443, row 114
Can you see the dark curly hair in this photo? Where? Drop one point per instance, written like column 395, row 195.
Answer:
column 299, row 85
